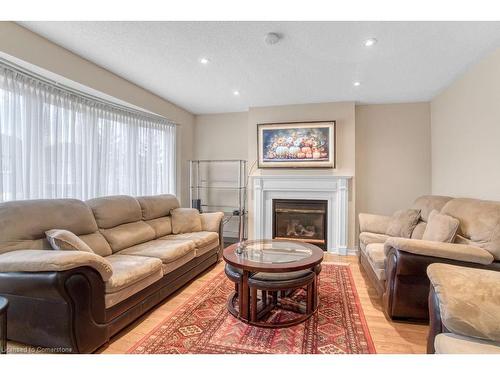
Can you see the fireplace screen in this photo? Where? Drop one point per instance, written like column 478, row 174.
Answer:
column 303, row 220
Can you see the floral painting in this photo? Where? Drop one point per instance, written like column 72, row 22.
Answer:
column 297, row 145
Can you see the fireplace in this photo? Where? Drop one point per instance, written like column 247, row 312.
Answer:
column 302, row 220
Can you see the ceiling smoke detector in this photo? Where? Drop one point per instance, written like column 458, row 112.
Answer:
column 272, row 38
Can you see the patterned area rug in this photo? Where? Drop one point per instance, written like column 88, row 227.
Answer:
column 203, row 324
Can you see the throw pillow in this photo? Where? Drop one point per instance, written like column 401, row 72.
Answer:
column 61, row 239
column 441, row 228
column 403, row 222
column 185, row 220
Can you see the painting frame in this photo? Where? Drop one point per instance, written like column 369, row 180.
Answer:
column 265, row 132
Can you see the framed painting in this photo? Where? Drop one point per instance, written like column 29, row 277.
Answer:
column 296, row 145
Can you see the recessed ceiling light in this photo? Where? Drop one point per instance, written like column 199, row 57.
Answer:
column 204, row 60
column 357, row 83
column 236, row 93
column 370, row 42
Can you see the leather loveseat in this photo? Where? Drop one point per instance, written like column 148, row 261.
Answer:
column 397, row 266
column 78, row 300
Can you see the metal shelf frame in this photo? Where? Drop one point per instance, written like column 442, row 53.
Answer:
column 207, row 178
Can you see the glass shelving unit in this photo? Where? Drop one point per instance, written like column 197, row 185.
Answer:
column 221, row 185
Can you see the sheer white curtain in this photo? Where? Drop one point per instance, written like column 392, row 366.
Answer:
column 55, row 144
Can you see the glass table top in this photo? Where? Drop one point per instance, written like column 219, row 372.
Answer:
column 273, row 251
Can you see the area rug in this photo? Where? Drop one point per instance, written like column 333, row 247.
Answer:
column 203, row 325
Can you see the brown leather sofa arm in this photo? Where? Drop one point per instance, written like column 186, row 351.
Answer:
column 53, row 260
column 407, row 285
column 373, row 223
column 453, row 251
column 435, row 323
column 62, row 310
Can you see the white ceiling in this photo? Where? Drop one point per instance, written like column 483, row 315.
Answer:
column 314, row 62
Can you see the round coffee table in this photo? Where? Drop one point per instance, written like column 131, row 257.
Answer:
column 270, row 257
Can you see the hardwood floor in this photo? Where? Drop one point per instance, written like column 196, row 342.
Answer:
column 389, row 337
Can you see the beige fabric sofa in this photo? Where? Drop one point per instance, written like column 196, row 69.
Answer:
column 465, row 310
column 397, row 266
column 137, row 262
column 373, row 230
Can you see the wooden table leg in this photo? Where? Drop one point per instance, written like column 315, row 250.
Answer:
column 253, row 304
column 310, row 298
column 244, row 296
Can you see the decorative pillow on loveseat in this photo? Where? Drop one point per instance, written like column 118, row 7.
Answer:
column 403, row 222
column 185, row 220
column 61, row 239
column 440, row 227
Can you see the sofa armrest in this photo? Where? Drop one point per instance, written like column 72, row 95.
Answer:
column 374, row 223
column 53, row 260
column 453, row 251
column 211, row 221
column 468, row 300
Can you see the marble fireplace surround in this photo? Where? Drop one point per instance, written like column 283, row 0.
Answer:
column 333, row 189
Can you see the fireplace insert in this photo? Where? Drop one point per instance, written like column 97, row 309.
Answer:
column 301, row 220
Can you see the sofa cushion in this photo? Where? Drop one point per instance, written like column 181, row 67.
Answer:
column 440, row 227
column 373, row 223
column 449, row 343
column 129, row 234
column 165, row 250
column 131, row 274
column 97, row 243
column 114, row 210
column 403, row 222
column 185, row 220
column 210, row 221
column 368, row 238
column 199, row 238
column 419, row 230
column 161, row 225
column 376, row 254
column 129, row 269
column 479, row 223
column 427, row 203
column 61, row 239
column 169, row 267
column 157, row 206
column 23, row 223
column 469, row 300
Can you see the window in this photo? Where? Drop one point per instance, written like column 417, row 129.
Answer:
column 56, row 144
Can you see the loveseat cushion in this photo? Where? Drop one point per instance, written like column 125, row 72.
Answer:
column 376, row 257
column 418, row 231
column 115, row 210
column 131, row 274
column 368, row 238
column 427, row 203
column 185, row 220
column 440, row 227
column 403, row 222
column 165, row 250
column 479, row 223
column 469, row 300
column 450, row 343
column 156, row 206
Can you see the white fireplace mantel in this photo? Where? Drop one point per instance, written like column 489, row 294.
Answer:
column 333, row 189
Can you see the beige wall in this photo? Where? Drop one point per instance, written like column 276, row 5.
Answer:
column 393, row 156
column 221, row 136
column 342, row 113
column 34, row 49
column 466, row 134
